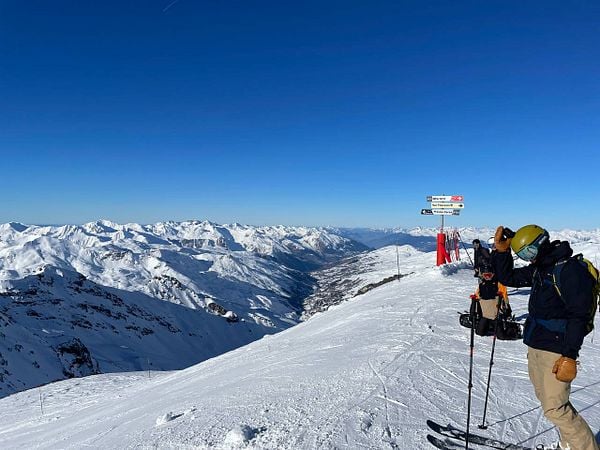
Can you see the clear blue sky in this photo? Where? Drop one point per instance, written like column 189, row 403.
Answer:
column 343, row 113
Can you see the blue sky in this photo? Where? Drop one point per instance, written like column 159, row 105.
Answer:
column 301, row 113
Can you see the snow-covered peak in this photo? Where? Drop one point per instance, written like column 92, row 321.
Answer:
column 101, row 227
column 13, row 227
column 242, row 275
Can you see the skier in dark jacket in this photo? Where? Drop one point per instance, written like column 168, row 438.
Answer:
column 481, row 257
column 556, row 327
column 490, row 303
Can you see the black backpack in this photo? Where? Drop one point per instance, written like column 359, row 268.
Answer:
column 595, row 294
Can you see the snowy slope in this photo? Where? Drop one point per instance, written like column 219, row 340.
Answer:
column 358, row 274
column 367, row 373
column 102, row 297
column 57, row 324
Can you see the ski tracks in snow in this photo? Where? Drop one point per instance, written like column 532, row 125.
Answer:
column 388, row 433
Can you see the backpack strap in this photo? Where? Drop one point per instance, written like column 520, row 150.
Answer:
column 558, row 267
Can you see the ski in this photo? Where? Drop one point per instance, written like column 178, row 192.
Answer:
column 446, row 444
column 452, row 432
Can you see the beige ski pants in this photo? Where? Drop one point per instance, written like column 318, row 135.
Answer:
column 554, row 397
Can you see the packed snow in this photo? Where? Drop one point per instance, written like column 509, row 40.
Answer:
column 365, row 373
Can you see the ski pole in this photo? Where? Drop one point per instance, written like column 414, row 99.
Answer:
column 483, row 426
column 467, row 252
column 470, row 386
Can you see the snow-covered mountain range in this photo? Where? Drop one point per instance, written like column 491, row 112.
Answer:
column 105, row 297
column 365, row 373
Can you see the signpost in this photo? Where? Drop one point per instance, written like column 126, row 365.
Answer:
column 440, row 212
column 443, row 205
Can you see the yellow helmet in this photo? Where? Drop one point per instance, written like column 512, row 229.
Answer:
column 527, row 241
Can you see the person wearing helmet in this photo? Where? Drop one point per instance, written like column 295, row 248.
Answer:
column 490, row 302
column 555, row 328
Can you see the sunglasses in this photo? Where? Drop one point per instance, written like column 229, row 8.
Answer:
column 528, row 253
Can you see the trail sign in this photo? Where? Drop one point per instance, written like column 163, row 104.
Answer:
column 440, row 212
column 446, row 212
column 445, row 205
column 445, row 198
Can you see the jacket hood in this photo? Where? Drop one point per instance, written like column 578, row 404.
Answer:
column 553, row 252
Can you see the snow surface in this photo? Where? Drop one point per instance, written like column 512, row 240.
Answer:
column 105, row 297
column 366, row 373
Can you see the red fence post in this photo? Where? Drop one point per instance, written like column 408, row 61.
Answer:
column 441, row 249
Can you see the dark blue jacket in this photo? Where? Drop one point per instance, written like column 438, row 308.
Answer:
column 554, row 324
column 481, row 257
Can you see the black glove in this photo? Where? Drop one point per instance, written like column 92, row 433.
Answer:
column 502, row 239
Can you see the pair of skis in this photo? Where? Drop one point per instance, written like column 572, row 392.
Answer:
column 452, row 438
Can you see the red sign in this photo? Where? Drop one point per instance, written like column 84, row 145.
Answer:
column 445, row 198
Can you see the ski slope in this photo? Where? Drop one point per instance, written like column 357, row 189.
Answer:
column 367, row 373
column 105, row 297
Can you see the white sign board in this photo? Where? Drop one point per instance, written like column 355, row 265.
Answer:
column 442, row 205
column 440, row 212
column 445, row 198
